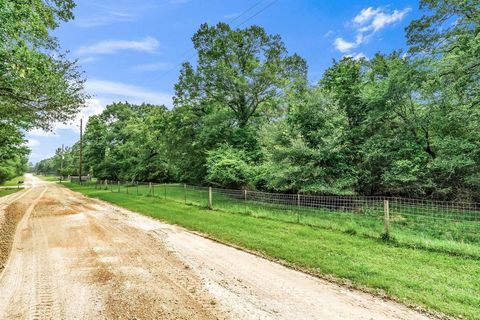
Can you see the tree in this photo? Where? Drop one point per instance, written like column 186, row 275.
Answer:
column 448, row 40
column 238, row 84
column 38, row 86
column 12, row 152
column 308, row 150
column 126, row 142
column 227, row 167
column 243, row 70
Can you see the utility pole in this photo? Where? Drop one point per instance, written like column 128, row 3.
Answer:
column 81, row 146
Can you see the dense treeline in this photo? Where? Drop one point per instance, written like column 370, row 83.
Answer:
column 38, row 85
column 245, row 116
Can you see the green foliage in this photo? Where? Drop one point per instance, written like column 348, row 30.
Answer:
column 447, row 40
column 410, row 274
column 238, row 85
column 244, row 116
column 126, row 142
column 228, row 166
column 38, row 85
column 13, row 153
column 243, row 70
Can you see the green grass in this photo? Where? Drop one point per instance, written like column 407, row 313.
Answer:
column 49, row 178
column 12, row 182
column 6, row 192
column 434, row 280
column 414, row 231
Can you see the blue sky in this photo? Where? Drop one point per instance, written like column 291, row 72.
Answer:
column 132, row 50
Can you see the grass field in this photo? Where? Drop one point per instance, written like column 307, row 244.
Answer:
column 49, row 178
column 13, row 182
column 435, row 280
column 406, row 229
column 6, row 192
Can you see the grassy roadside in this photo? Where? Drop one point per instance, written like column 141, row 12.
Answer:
column 49, row 178
column 430, row 232
column 12, row 182
column 446, row 283
column 6, row 192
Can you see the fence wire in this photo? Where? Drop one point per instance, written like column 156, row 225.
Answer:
column 440, row 225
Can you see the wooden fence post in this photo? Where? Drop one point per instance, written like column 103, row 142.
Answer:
column 185, row 192
column 386, row 217
column 210, row 203
column 298, row 207
column 245, row 198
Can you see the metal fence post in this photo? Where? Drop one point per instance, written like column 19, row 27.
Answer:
column 111, row 186
column 153, row 190
column 165, row 190
column 386, row 217
column 137, row 187
column 149, row 188
column 210, row 204
column 118, row 183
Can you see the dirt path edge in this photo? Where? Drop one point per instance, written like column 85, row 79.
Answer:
column 327, row 277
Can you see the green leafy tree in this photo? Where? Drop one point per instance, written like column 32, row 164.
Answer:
column 447, row 38
column 126, row 142
column 237, row 85
column 228, row 167
column 38, row 85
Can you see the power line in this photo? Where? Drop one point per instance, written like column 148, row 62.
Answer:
column 257, row 13
column 236, row 26
column 247, row 10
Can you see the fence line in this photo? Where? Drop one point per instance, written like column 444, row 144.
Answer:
column 430, row 223
column 461, row 211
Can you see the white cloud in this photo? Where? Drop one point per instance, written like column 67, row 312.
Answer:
column 32, row 142
column 149, row 44
column 357, row 56
column 375, row 19
column 329, row 33
column 343, row 45
column 365, row 15
column 105, row 18
column 87, row 60
column 92, row 107
column 121, row 91
column 41, row 133
column 153, row 66
column 367, row 23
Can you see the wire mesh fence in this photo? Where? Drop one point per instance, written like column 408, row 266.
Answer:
column 452, row 227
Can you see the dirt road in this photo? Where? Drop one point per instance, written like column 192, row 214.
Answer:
column 79, row 258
